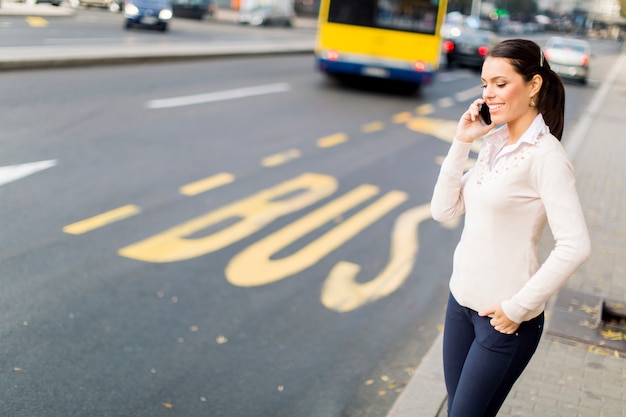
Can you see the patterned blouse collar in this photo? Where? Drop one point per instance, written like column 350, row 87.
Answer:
column 537, row 128
column 496, row 141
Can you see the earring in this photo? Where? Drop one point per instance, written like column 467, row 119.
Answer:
column 532, row 103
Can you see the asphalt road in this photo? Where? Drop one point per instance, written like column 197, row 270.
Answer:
column 93, row 26
column 228, row 238
column 236, row 322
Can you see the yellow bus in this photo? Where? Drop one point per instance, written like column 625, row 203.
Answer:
column 390, row 39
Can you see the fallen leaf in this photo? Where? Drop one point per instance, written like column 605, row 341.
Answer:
column 589, row 310
column 280, row 388
column 597, row 350
column 612, row 335
column 193, row 329
column 17, row 369
column 169, row 406
column 369, row 382
column 385, row 378
column 587, row 323
column 221, row 339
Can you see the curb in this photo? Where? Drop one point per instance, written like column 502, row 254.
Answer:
column 426, row 390
column 51, row 57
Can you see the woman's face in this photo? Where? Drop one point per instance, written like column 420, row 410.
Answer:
column 505, row 91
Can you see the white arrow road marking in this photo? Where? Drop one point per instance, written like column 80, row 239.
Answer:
column 218, row 96
column 15, row 172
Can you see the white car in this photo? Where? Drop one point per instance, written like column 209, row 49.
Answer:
column 112, row 5
column 569, row 57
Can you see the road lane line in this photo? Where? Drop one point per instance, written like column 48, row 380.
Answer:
column 36, row 22
column 425, row 109
column 218, row 96
column 79, row 41
column 445, row 102
column 280, row 158
column 372, row 127
column 12, row 173
column 402, row 117
column 102, row 220
column 207, row 184
column 332, row 140
column 468, row 94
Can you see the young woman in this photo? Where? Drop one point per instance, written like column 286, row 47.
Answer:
column 522, row 179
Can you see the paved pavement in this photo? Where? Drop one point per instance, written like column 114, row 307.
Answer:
column 579, row 369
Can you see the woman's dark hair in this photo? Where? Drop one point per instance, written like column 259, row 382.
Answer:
column 528, row 60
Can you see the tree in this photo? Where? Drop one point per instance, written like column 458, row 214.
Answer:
column 519, row 8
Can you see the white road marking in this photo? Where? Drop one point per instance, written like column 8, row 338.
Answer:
column 469, row 94
column 218, row 96
column 12, row 173
column 80, row 41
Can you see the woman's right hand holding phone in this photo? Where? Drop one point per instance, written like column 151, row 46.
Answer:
column 471, row 126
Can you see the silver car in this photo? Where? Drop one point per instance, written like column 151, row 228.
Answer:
column 112, row 5
column 569, row 57
column 267, row 16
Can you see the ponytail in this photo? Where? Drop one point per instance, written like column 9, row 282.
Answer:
column 551, row 100
column 528, row 60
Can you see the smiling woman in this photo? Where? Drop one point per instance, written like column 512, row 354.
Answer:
column 522, row 181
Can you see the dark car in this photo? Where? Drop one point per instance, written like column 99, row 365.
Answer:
column 52, row 2
column 267, row 16
column 194, row 9
column 155, row 13
column 469, row 48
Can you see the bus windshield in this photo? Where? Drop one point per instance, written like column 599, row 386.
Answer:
column 419, row 16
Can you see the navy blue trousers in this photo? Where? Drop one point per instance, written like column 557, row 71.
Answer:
column 480, row 363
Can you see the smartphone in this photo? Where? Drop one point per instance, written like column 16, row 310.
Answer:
column 484, row 113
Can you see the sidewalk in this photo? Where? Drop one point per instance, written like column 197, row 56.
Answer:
column 579, row 369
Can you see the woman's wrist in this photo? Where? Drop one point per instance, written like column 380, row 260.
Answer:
column 464, row 140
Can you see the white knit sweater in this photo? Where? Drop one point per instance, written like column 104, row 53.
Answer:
column 507, row 200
